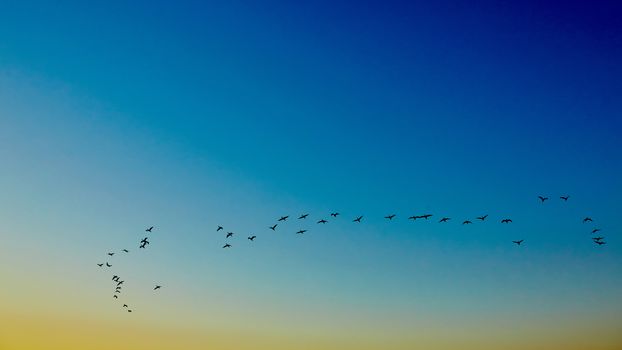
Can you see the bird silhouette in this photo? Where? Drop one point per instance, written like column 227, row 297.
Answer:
column 115, row 277
column 219, row 228
column 283, row 218
column 115, row 296
column 565, row 198
column 465, row 222
column 518, row 242
column 414, row 217
column 227, row 245
column 252, row 238
column 117, row 291
column 157, row 287
column 229, row 234
column 125, row 250
column 303, row 216
column 426, row 216
column 587, row 219
column 334, row 214
column 301, row 231
column 506, row 221
column 273, row 228
column 482, row 217
column 595, row 230
column 444, row 219
column 124, row 305
column 100, row 265
column 390, row 217
column 542, row 199
column 600, row 242
column 358, row 219
column 149, row 229
column 322, row 221
column 107, row 264
column 118, row 287
column 129, row 310
column 111, row 254
column 120, row 283
column 598, row 238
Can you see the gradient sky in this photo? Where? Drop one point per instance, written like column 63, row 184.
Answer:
column 185, row 116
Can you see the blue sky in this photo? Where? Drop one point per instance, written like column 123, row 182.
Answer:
column 114, row 117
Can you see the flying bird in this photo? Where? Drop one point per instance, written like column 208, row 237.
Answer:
column 100, row 265
column 506, row 221
column 542, row 199
column 273, row 228
column 444, row 219
column 334, row 214
column 595, row 230
column 587, row 219
column 301, row 231
column 227, row 245
column 115, row 277
column 413, row 217
column 322, row 221
column 518, row 242
column 482, row 217
column 120, row 283
column 565, row 198
column 358, row 219
column 390, row 217
column 117, row 291
column 107, row 264
column 149, row 229
column 157, row 287
column 600, row 242
column 129, row 310
column 465, row 222
column 303, row 216
column 426, row 216
column 283, row 218
column 229, row 234
column 252, row 238
column 124, row 305
column 115, row 296
column 111, row 254
column 219, row 228
column 125, row 250
column 598, row 238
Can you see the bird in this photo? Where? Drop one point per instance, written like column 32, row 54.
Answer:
column 600, row 242
column 111, row 254
column 252, row 238
column 115, row 296
column 117, row 291
column 358, row 219
column 100, row 265
column 229, row 234
column 115, row 277
column 542, row 199
column 107, row 264
column 390, row 217
column 595, row 230
column 587, row 219
column 301, row 231
column 518, row 242
column 303, row 216
column 598, row 238
column 506, row 221
column 227, row 245
column 149, row 229
column 482, row 217
column 565, row 198
column 322, row 221
column 124, row 305
column 129, row 310
column 144, row 242
column 219, row 228
column 118, row 287
column 120, row 283
column 142, row 245
column 414, row 217
column 426, row 216
column 466, row 222
column 273, row 228
column 157, row 287
column 334, row 214
column 283, row 218
column 444, row 219
column 125, row 250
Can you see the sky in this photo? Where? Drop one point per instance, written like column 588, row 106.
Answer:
column 184, row 116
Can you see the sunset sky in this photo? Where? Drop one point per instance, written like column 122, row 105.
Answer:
column 187, row 115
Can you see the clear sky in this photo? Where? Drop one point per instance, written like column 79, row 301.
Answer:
column 189, row 115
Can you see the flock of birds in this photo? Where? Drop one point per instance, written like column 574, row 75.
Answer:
column 598, row 240
column 117, row 280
